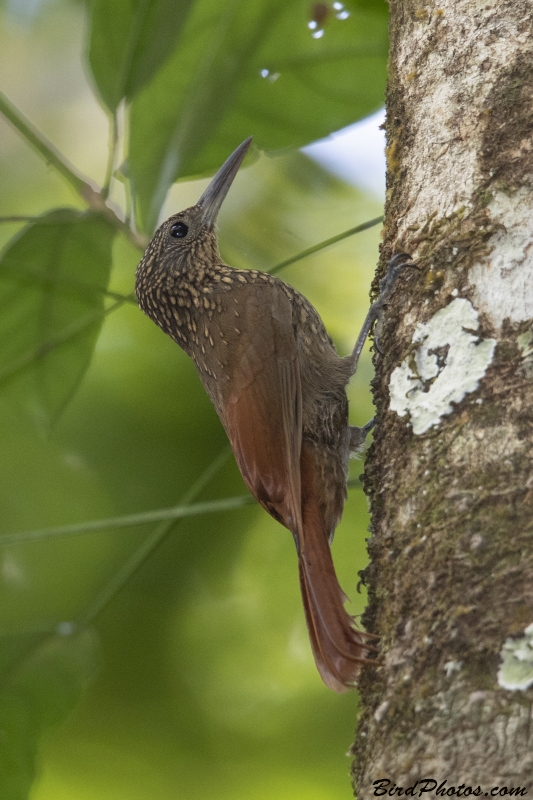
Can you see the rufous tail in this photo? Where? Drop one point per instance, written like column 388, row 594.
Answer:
column 338, row 647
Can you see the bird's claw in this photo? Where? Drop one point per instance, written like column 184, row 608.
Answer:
column 358, row 436
column 368, row 427
column 395, row 267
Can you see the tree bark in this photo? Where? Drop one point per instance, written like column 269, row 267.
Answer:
column 450, row 473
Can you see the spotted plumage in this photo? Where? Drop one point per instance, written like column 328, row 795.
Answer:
column 279, row 387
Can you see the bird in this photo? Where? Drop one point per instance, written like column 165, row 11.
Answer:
column 275, row 379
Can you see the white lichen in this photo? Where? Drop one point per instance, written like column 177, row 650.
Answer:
column 381, row 711
column 516, row 670
column 448, row 364
column 502, row 281
column 452, row 666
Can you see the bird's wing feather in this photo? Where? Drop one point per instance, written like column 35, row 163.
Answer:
column 263, row 411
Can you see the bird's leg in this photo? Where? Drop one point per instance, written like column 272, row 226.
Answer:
column 395, row 266
column 358, row 436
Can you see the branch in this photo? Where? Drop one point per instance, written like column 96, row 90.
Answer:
column 326, row 243
column 131, row 520
column 88, row 191
column 128, row 520
column 150, row 543
column 42, row 350
column 19, row 218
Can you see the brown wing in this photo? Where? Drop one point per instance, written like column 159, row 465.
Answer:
column 262, row 413
column 262, row 410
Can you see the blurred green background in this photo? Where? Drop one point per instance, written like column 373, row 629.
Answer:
column 167, row 661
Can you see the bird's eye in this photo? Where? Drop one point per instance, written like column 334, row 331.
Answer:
column 179, row 230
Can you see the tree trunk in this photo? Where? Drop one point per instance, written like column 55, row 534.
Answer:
column 450, row 473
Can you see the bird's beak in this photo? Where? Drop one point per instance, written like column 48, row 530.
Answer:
column 214, row 195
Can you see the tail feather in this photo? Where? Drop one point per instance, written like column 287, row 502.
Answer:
column 338, row 647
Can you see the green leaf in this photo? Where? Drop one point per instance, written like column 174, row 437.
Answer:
column 52, row 279
column 129, row 40
column 40, row 685
column 212, row 92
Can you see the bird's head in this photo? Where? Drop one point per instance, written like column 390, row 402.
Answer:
column 188, row 238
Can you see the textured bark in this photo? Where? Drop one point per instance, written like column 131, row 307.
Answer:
column 451, row 573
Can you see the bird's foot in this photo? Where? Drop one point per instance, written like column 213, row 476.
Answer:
column 395, row 267
column 358, row 436
column 368, row 427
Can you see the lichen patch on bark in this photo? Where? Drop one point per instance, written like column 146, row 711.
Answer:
column 448, row 362
column 502, row 285
column 516, row 671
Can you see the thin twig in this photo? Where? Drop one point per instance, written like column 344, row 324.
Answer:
column 42, row 350
column 89, row 191
column 19, row 218
column 128, row 520
column 150, row 543
column 65, row 282
column 131, row 520
column 113, row 144
column 326, row 243
column 44, row 148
